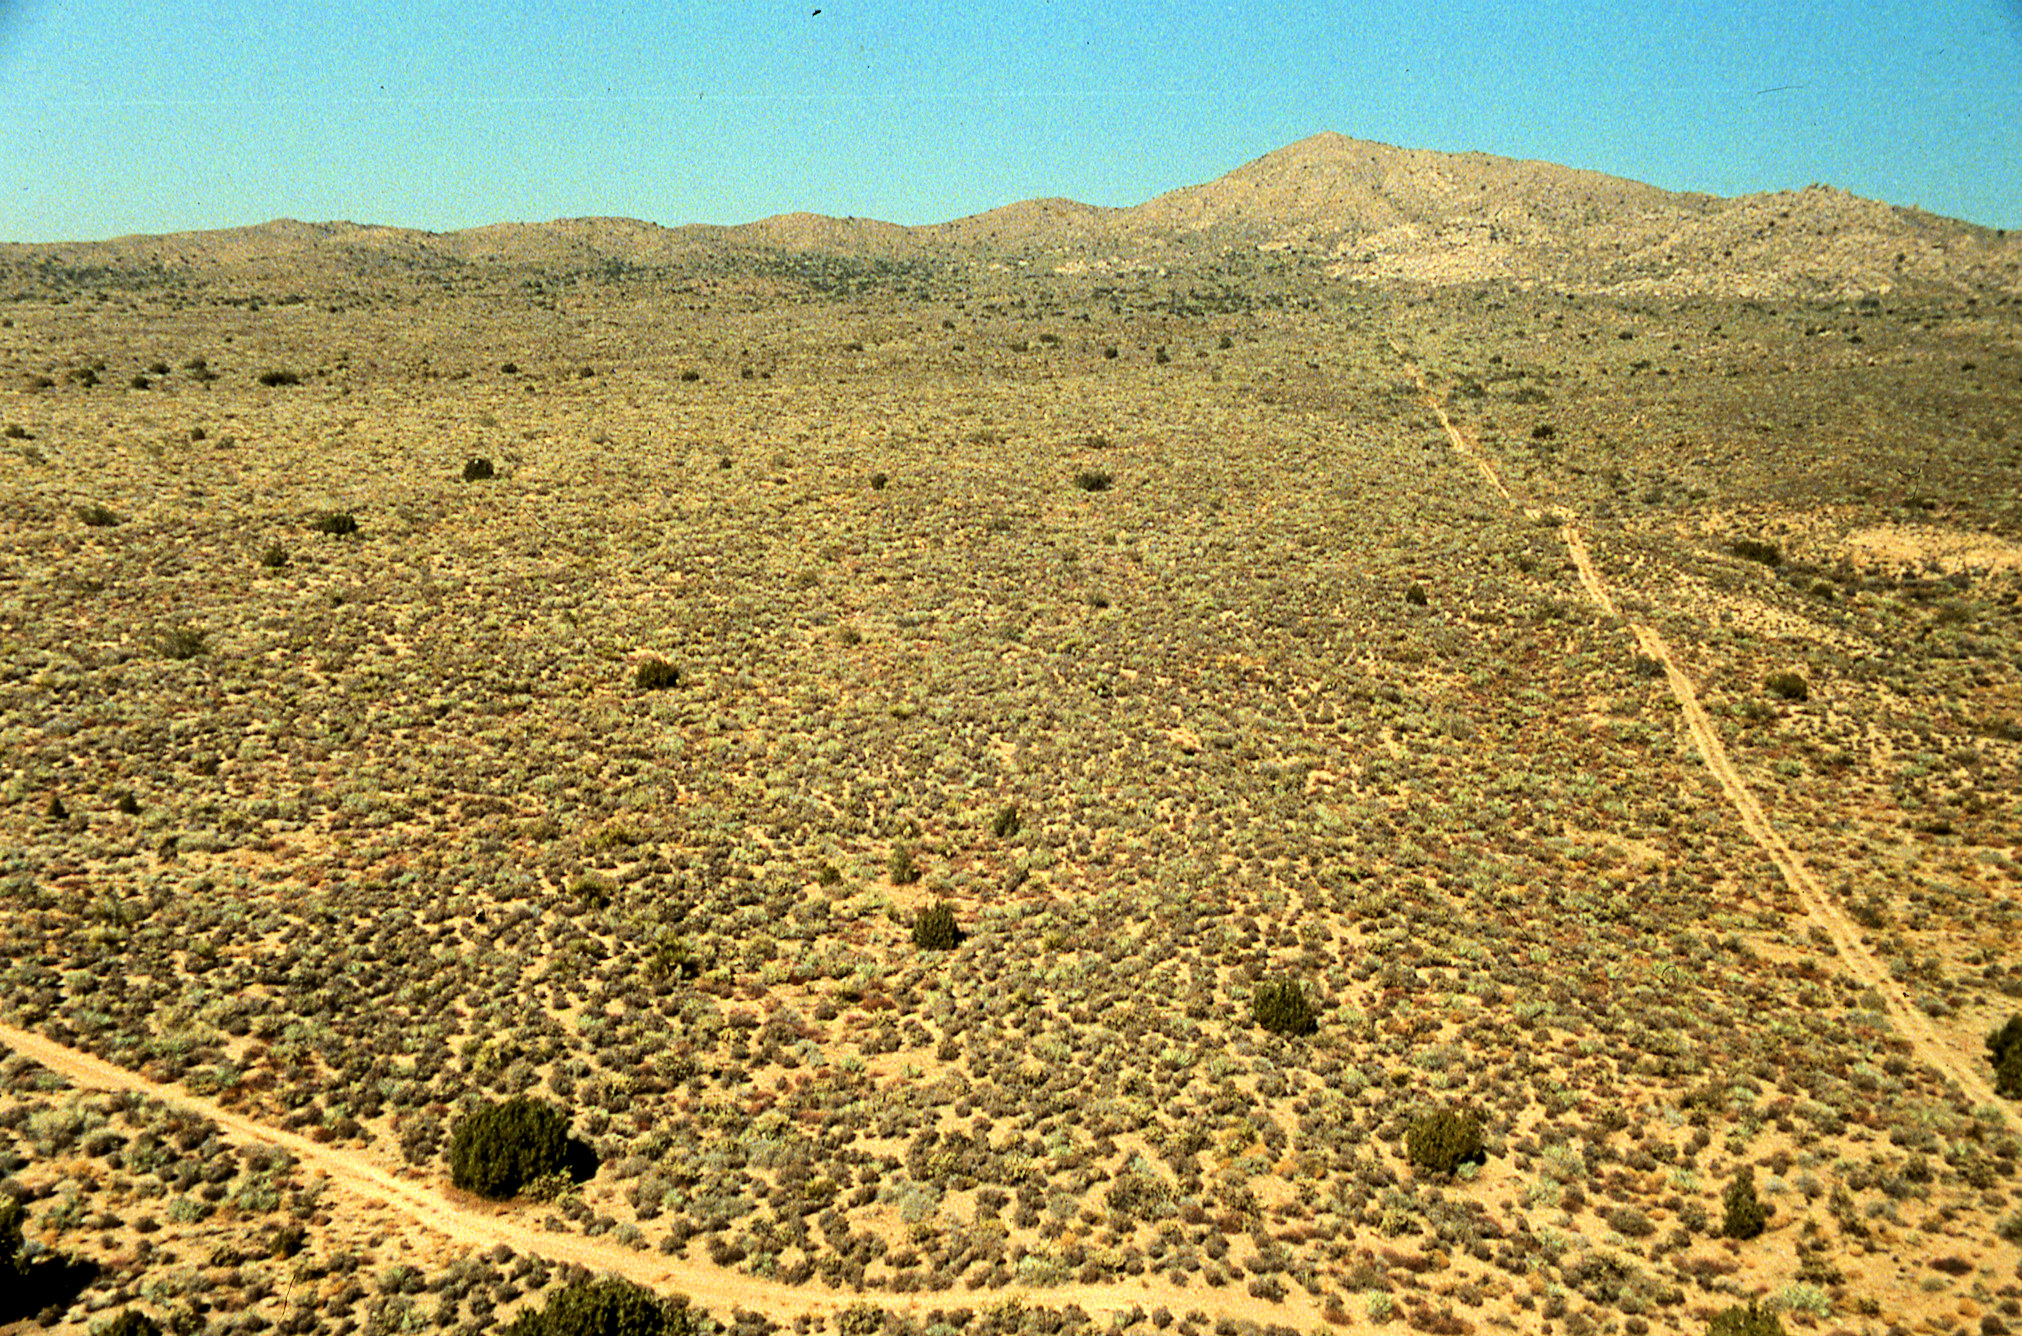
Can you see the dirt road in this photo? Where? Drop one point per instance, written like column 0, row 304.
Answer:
column 717, row 1289
column 1909, row 1022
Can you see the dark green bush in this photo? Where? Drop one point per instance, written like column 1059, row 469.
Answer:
column 498, row 1148
column 274, row 557
column 11, row 1215
column 132, row 1322
column 1093, row 480
column 1416, row 596
column 1442, row 1141
column 1006, row 825
column 2004, row 1049
column 656, row 674
column 477, row 468
column 279, row 378
column 879, row 482
column 606, row 1307
column 934, row 928
column 902, row 869
column 97, row 516
column 1755, row 549
column 335, row 522
column 1749, row 1321
column 184, row 642
column 1280, row 1006
column 1743, row 1216
column 1790, row 686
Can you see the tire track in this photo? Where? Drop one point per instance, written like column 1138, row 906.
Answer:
column 714, row 1288
column 1909, row 1021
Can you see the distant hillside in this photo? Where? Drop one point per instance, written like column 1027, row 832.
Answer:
column 1363, row 210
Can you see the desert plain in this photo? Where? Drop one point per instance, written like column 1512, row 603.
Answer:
column 1599, row 690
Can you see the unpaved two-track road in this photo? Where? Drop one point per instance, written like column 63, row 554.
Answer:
column 717, row 1289
column 1909, row 1022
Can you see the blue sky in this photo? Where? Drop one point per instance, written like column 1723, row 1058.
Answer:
column 118, row 118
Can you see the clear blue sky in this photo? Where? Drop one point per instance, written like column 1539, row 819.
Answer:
column 118, row 118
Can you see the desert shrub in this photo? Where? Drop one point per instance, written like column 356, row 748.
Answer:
column 183, row 642
column 901, row 868
column 607, row 1307
column 934, row 928
column 2004, row 1048
column 1743, row 1216
column 2011, row 1228
column 1093, row 480
column 335, row 522
column 477, row 468
column 131, row 1322
column 12, row 1263
column 497, row 1148
column 1755, row 549
column 1006, row 824
column 656, row 674
column 1790, row 686
column 1280, row 1006
column 1416, row 596
column 97, row 516
column 879, row 481
column 279, row 377
column 1442, row 1141
column 1749, row 1321
column 274, row 556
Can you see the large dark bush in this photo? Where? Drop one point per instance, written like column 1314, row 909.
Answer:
column 606, row 1307
column 1744, row 1217
column 934, row 928
column 1280, row 1006
column 499, row 1148
column 12, row 1264
column 1442, row 1141
column 477, row 468
column 2004, row 1048
column 1749, row 1321
column 656, row 674
column 132, row 1322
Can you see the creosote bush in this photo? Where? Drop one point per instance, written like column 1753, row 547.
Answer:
column 1006, row 824
column 477, row 468
column 1744, row 1217
column 96, row 516
column 656, row 674
column 1093, row 480
column 278, row 377
column 184, row 642
column 1790, row 686
column 2004, row 1049
column 1749, row 1321
column 1755, row 549
column 338, row 522
column 902, row 869
column 274, row 557
column 498, row 1148
column 1280, row 1006
column 607, row 1307
column 934, row 928
column 1442, row 1141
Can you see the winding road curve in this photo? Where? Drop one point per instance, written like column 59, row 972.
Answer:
column 714, row 1288
column 1909, row 1021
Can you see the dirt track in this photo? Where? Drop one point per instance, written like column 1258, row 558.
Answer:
column 717, row 1289
column 1911, row 1023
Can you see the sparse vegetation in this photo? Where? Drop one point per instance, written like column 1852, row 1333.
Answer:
column 1756, row 549
column 1752, row 1320
column 336, row 522
column 477, row 468
column 184, row 642
column 1789, row 686
column 97, row 516
column 1093, row 480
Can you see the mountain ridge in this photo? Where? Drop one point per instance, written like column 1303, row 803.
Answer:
column 1359, row 209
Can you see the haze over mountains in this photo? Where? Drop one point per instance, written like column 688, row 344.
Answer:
column 1357, row 209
